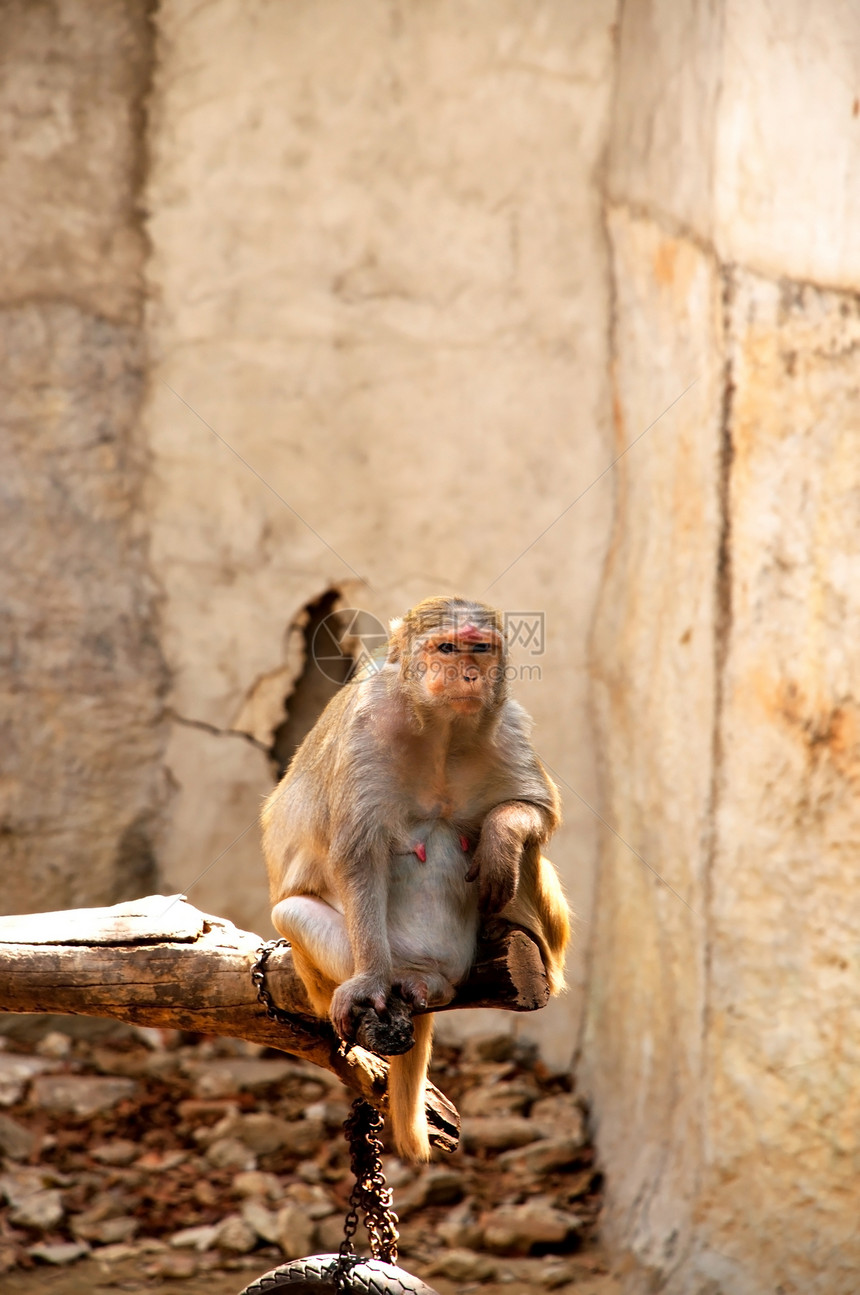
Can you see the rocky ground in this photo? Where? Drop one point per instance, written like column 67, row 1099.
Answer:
column 140, row 1159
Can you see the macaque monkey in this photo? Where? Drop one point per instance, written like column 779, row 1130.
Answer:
column 414, row 811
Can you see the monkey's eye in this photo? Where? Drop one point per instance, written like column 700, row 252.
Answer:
column 446, row 648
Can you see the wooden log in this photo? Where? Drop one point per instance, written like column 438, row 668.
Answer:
column 159, row 961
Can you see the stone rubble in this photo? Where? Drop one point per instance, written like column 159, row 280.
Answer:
column 15, row 1073
column 189, row 1155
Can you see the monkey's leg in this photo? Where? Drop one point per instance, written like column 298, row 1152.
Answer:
column 323, row 957
column 321, row 949
column 540, row 906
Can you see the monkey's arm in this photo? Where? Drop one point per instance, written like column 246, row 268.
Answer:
column 496, row 861
column 361, row 869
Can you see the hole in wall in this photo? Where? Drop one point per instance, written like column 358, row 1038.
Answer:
column 325, row 633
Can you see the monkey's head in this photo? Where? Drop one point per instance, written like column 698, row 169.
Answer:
column 452, row 656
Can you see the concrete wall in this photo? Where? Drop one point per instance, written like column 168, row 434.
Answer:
column 82, row 787
column 723, row 1007
column 379, row 328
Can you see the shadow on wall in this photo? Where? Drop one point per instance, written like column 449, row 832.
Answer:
column 328, row 665
column 338, row 644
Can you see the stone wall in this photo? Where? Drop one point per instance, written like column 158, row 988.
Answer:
column 719, row 1046
column 81, row 782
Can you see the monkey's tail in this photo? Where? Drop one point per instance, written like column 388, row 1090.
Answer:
column 540, row 906
column 407, row 1075
column 552, row 904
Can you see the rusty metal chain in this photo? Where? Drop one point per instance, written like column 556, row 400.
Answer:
column 275, row 1013
column 361, row 1129
column 258, row 979
column 370, row 1194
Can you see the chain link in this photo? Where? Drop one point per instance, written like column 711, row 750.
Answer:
column 258, row 978
column 361, row 1130
column 370, row 1194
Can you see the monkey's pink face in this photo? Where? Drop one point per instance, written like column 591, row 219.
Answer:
column 459, row 668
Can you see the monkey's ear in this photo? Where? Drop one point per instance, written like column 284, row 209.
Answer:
column 396, row 638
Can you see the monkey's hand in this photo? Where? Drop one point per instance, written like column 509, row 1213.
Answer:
column 496, row 868
column 352, row 998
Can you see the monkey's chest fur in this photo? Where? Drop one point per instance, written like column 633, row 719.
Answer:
column 433, row 787
column 432, row 910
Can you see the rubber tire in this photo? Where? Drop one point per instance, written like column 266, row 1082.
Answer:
column 369, row 1277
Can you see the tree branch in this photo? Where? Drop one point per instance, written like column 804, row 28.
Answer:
column 159, row 961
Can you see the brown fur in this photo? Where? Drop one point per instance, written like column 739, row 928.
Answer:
column 427, row 752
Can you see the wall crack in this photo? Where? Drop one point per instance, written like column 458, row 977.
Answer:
column 215, row 730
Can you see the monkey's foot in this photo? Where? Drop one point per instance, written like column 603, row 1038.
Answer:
column 412, row 989
column 422, row 991
column 389, row 1033
column 494, row 929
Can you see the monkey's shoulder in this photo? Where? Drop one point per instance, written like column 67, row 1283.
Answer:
column 347, row 714
column 515, row 752
column 345, row 760
column 513, row 729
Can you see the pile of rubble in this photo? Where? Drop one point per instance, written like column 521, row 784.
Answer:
column 192, row 1155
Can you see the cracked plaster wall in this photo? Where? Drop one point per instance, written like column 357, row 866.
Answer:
column 719, row 1047
column 378, row 318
